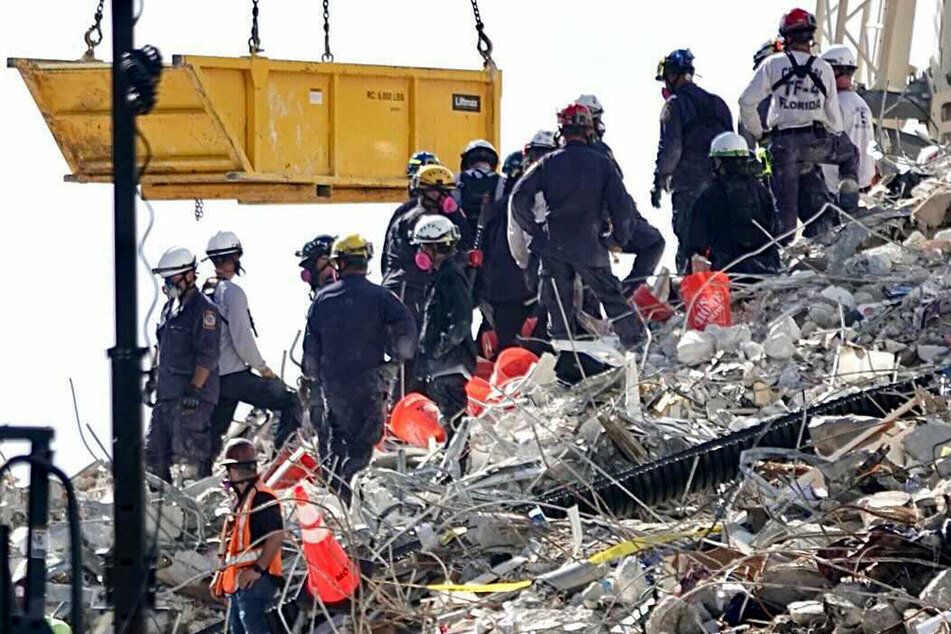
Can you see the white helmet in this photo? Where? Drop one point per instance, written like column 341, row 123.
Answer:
column 592, row 104
column 434, row 229
column 729, row 144
column 477, row 150
column 223, row 243
column 174, row 261
column 543, row 139
column 841, row 56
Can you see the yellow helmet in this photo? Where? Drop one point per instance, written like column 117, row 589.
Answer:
column 352, row 246
column 434, row 176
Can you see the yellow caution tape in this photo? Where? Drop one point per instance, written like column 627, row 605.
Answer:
column 502, row 586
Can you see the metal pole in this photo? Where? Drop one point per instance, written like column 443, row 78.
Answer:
column 131, row 570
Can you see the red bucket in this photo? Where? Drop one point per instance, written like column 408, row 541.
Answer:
column 513, row 363
column 650, row 306
column 415, row 420
column 478, row 390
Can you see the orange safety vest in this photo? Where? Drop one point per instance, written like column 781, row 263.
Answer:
column 235, row 551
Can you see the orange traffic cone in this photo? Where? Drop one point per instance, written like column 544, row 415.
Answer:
column 331, row 575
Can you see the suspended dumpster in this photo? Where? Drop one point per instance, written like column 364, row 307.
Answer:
column 265, row 131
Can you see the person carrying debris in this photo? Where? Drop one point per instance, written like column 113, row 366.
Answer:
column 447, row 353
column 315, row 269
column 804, row 117
column 351, row 326
column 250, row 547
column 416, row 162
column 560, row 203
column 179, row 436
column 689, row 120
column 645, row 243
column 856, row 117
column 735, row 215
column 240, row 357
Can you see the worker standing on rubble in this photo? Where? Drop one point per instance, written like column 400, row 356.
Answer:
column 856, row 117
column 179, row 437
column 250, row 545
column 315, row 263
column 560, row 203
column 768, row 48
column 689, row 121
column 735, row 216
column 351, row 326
column 447, row 353
column 478, row 185
column 415, row 163
column 645, row 243
column 240, row 357
column 804, row 118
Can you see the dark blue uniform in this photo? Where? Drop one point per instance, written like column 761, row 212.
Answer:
column 385, row 261
column 187, row 338
column 581, row 189
column 351, row 325
column 474, row 187
column 690, row 120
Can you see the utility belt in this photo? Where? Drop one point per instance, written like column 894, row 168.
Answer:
column 817, row 130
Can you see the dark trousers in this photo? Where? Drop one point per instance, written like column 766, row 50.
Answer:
column 247, row 387
column 813, row 195
column 249, row 607
column 796, row 153
column 601, row 281
column 647, row 244
column 683, row 201
column 509, row 318
column 414, row 298
column 354, row 415
column 449, row 394
column 178, row 436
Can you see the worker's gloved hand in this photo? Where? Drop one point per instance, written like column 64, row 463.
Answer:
column 267, row 373
column 476, row 258
column 190, row 400
column 655, row 196
column 148, row 392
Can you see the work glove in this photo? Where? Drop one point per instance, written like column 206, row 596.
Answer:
column 655, row 196
column 148, row 392
column 190, row 400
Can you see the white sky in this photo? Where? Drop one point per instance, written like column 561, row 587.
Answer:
column 56, row 319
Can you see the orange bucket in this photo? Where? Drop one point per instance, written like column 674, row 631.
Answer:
column 512, row 363
column 415, row 420
column 478, row 391
column 331, row 575
column 650, row 306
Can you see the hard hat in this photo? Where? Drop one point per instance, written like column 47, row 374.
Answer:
column 479, row 150
column 223, row 243
column 236, row 447
column 729, row 144
column 592, row 104
column 770, row 47
column 319, row 246
column 512, row 167
column 543, row 139
column 352, row 246
column 174, row 261
column 797, row 21
column 435, row 229
column 840, row 56
column 679, row 62
column 418, row 160
column 575, row 118
column 433, row 176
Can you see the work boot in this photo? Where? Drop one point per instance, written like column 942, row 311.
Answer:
column 848, row 194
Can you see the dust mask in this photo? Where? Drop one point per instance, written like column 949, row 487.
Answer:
column 449, row 205
column 171, row 289
column 306, row 275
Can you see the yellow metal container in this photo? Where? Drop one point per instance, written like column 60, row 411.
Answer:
column 266, row 131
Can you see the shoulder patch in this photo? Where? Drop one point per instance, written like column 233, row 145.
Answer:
column 209, row 320
column 665, row 112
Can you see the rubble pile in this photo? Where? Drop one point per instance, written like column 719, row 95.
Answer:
column 846, row 530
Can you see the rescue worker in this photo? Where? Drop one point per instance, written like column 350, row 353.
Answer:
column 856, row 117
column 735, row 215
column 351, row 326
column 646, row 243
column 240, row 357
column 478, row 184
column 447, row 353
column 804, row 119
column 571, row 188
column 691, row 117
column 768, row 48
column 179, row 436
column 250, row 547
column 416, row 161
column 315, row 263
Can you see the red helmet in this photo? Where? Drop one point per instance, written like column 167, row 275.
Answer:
column 797, row 21
column 575, row 118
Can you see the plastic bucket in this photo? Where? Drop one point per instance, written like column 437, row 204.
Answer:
column 650, row 306
column 415, row 420
column 512, row 363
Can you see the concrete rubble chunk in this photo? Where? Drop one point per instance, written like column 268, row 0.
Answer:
column 881, row 618
column 933, row 211
column 807, row 613
column 780, row 346
column 786, row 326
column 937, row 593
column 752, row 350
column 696, row 347
column 729, row 339
column 932, row 354
column 839, row 295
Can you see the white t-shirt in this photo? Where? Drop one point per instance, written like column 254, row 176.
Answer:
column 796, row 104
column 857, row 123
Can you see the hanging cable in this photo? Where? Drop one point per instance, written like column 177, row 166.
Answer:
column 254, row 42
column 327, row 56
column 93, row 35
column 484, row 44
column 199, row 209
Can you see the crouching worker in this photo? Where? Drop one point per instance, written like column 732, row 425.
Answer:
column 735, row 215
column 250, row 550
column 447, row 353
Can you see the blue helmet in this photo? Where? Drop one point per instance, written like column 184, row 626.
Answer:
column 418, row 160
column 679, row 62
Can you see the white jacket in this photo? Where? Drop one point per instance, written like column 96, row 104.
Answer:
column 857, row 123
column 798, row 103
column 239, row 351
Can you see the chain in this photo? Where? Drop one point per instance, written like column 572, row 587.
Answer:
column 254, row 42
column 327, row 56
column 93, row 35
column 484, row 44
column 199, row 209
